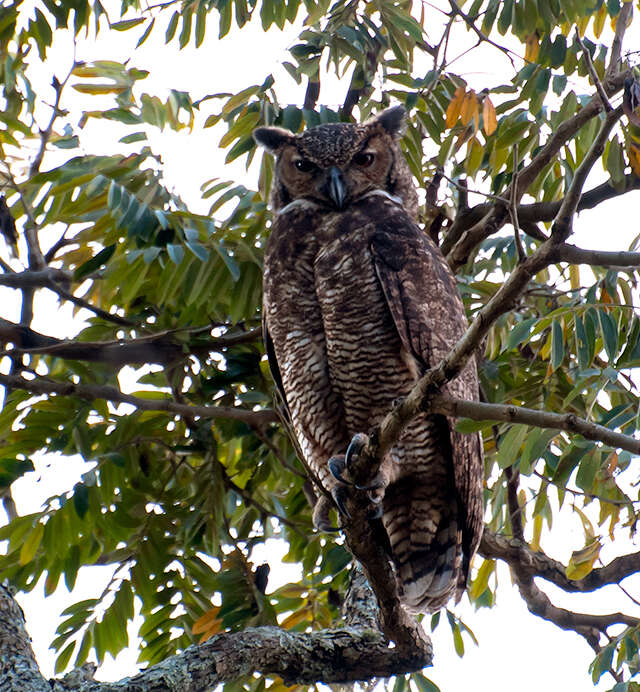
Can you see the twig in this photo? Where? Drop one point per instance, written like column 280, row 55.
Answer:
column 563, row 223
column 80, row 302
column 481, row 37
column 45, row 135
column 513, row 206
column 91, row 392
column 594, row 75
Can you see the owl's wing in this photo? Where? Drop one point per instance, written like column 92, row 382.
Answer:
column 429, row 315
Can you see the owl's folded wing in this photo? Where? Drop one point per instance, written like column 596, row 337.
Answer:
column 429, row 315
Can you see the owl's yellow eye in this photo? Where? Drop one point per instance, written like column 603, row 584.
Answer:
column 304, row 165
column 363, row 159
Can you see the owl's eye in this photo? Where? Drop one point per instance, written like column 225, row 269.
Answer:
column 304, row 165
column 364, row 159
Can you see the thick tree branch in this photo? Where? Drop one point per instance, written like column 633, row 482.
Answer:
column 90, row 392
column 34, row 279
column 538, row 564
column 600, row 258
column 540, row 211
column 568, row 422
column 345, row 655
column 157, row 348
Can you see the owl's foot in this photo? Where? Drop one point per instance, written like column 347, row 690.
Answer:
column 321, row 520
column 337, row 466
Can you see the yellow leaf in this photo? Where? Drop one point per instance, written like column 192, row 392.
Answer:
column 481, row 581
column 97, row 89
column 574, row 276
column 612, row 463
column 469, row 107
column 202, row 624
column 31, row 545
column 296, row 618
column 582, row 561
column 453, row 109
column 581, row 24
column 537, row 533
column 634, row 158
column 489, row 116
column 532, row 48
column 598, row 20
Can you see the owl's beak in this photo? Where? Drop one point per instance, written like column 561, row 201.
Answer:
column 336, row 188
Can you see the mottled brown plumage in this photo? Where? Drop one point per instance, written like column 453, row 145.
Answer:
column 358, row 303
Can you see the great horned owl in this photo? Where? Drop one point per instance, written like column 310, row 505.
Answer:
column 358, row 304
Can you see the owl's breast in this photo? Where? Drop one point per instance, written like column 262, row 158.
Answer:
column 368, row 366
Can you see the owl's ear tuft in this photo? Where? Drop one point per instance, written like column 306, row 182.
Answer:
column 393, row 120
column 273, row 138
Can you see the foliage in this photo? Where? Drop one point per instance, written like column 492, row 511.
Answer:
column 175, row 502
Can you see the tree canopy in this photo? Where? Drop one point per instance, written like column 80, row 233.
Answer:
column 163, row 387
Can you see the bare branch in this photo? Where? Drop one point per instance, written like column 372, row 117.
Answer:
column 568, row 422
column 156, row 348
column 538, row 603
column 82, row 303
column 90, row 392
column 594, row 75
column 613, row 69
column 34, row 278
column 538, row 564
column 599, row 258
column 563, row 222
column 482, row 38
column 540, row 211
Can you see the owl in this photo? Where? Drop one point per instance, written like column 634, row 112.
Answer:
column 358, row 303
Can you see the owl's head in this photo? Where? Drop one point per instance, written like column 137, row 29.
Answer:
column 335, row 165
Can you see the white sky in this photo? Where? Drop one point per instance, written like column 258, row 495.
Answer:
column 517, row 650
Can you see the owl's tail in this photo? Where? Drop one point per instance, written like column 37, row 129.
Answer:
column 426, row 543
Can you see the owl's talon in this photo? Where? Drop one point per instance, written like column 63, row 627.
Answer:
column 321, row 521
column 339, row 495
column 375, row 512
column 376, row 483
column 358, row 442
column 337, row 466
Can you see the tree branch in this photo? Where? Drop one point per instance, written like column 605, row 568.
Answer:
column 600, row 258
column 563, row 222
column 345, row 655
column 156, row 348
column 90, row 392
column 34, row 278
column 540, row 211
column 569, row 422
column 616, row 47
column 538, row 564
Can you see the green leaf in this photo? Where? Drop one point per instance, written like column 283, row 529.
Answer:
column 31, row 544
column 424, row 684
column 95, row 262
column 557, row 344
column 520, row 332
column 510, row 444
column 81, row 499
column 126, row 24
column 609, row 334
column 62, row 661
